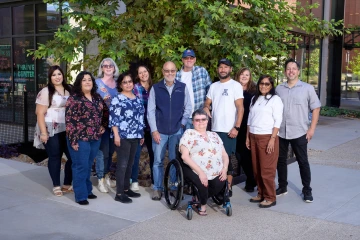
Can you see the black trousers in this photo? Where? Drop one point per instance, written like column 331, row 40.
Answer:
column 299, row 146
column 213, row 188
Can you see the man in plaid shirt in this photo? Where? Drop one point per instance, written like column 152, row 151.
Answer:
column 197, row 81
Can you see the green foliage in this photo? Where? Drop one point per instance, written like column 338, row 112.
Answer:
column 354, row 64
column 161, row 30
column 339, row 112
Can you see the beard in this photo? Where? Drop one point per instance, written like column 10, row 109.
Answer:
column 224, row 76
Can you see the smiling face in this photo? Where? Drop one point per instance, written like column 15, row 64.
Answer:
column 127, row 84
column 57, row 78
column 169, row 71
column 143, row 74
column 86, row 84
column 188, row 63
column 108, row 68
column 244, row 79
column 224, row 71
column 292, row 71
column 265, row 86
column 200, row 122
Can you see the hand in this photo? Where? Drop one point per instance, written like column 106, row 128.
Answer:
column 156, row 137
column 75, row 146
column 310, row 134
column 247, row 143
column 233, row 133
column 207, row 110
column 223, row 174
column 102, row 130
column 44, row 138
column 117, row 140
column 203, row 179
column 270, row 147
column 141, row 142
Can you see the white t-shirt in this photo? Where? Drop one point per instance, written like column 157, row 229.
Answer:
column 186, row 77
column 223, row 96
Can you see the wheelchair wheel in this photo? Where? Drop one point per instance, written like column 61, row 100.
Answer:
column 189, row 213
column 228, row 210
column 173, row 184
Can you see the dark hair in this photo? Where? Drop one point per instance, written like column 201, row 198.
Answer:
column 291, row 60
column 251, row 86
column 137, row 79
column 77, row 84
column 51, row 86
column 258, row 93
column 121, row 78
column 200, row 111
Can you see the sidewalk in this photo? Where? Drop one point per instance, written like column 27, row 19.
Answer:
column 29, row 210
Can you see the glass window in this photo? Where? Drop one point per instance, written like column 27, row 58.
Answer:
column 5, row 68
column 47, row 18
column 42, row 65
column 24, row 74
column 5, row 20
column 23, row 19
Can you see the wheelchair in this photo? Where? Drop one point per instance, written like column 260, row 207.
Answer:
column 175, row 186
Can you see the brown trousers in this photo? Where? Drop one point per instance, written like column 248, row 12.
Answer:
column 264, row 165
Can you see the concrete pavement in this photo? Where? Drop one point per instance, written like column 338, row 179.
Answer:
column 29, row 210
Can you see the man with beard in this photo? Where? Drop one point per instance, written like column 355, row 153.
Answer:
column 226, row 100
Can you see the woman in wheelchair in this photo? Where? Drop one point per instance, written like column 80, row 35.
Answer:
column 205, row 158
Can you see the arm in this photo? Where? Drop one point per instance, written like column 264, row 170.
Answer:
column 116, row 136
column 225, row 158
column 40, row 118
column 105, row 117
column 151, row 108
column 240, row 112
column 207, row 106
column 247, row 142
column 270, row 146
column 188, row 108
column 314, row 121
column 185, row 155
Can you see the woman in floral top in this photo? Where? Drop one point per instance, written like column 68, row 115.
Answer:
column 127, row 122
column 86, row 119
column 205, row 158
column 50, row 127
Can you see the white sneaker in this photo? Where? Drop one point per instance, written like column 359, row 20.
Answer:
column 101, row 186
column 109, row 182
column 134, row 186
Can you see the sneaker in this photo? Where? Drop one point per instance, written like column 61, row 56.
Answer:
column 132, row 194
column 92, row 196
column 256, row 199
column 123, row 198
column 101, row 186
column 135, row 186
column 156, row 195
column 308, row 196
column 281, row 191
column 83, row 202
column 267, row 204
column 109, row 182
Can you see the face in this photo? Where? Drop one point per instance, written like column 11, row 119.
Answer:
column 108, row 68
column 292, row 72
column 127, row 84
column 143, row 74
column 189, row 62
column 244, row 78
column 200, row 122
column 224, row 71
column 86, row 83
column 57, row 78
column 169, row 71
column 265, row 86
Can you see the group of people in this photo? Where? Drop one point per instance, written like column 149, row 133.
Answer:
column 257, row 122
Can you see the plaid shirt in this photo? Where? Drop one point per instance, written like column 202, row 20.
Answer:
column 200, row 82
column 141, row 93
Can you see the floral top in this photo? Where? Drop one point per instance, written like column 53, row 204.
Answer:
column 128, row 115
column 105, row 92
column 206, row 154
column 84, row 118
column 54, row 116
column 143, row 94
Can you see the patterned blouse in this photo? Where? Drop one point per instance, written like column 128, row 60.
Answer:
column 206, row 154
column 54, row 116
column 84, row 118
column 143, row 94
column 128, row 115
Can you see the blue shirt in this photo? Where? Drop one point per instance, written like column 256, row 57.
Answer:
column 105, row 92
column 128, row 115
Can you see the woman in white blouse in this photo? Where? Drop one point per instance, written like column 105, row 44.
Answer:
column 264, row 121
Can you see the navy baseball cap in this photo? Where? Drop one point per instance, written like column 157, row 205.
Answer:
column 188, row 53
column 225, row 61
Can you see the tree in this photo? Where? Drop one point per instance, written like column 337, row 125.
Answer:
column 161, row 30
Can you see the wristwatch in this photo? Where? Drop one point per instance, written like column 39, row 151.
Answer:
column 237, row 128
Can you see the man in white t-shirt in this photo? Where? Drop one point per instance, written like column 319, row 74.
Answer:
column 197, row 81
column 226, row 100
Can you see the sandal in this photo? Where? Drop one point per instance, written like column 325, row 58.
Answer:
column 57, row 191
column 68, row 189
column 202, row 213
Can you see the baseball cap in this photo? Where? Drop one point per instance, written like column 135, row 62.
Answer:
column 225, row 61
column 187, row 53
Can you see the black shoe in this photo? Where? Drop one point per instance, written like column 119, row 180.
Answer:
column 281, row 191
column 123, row 198
column 83, row 202
column 230, row 193
column 92, row 196
column 132, row 194
column 308, row 196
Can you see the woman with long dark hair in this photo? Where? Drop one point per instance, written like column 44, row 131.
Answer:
column 50, row 127
column 86, row 118
column 264, row 121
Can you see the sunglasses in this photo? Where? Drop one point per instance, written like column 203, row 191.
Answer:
column 169, row 71
column 265, row 84
column 107, row 66
column 126, row 82
column 200, row 120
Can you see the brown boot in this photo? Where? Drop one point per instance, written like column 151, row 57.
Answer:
column 256, row 199
column 267, row 204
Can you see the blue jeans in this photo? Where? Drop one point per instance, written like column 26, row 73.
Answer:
column 159, row 153
column 104, row 155
column 82, row 161
column 189, row 125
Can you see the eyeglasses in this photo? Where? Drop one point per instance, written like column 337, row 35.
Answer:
column 169, row 71
column 200, row 120
column 265, row 84
column 107, row 66
column 126, row 82
column 189, row 58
